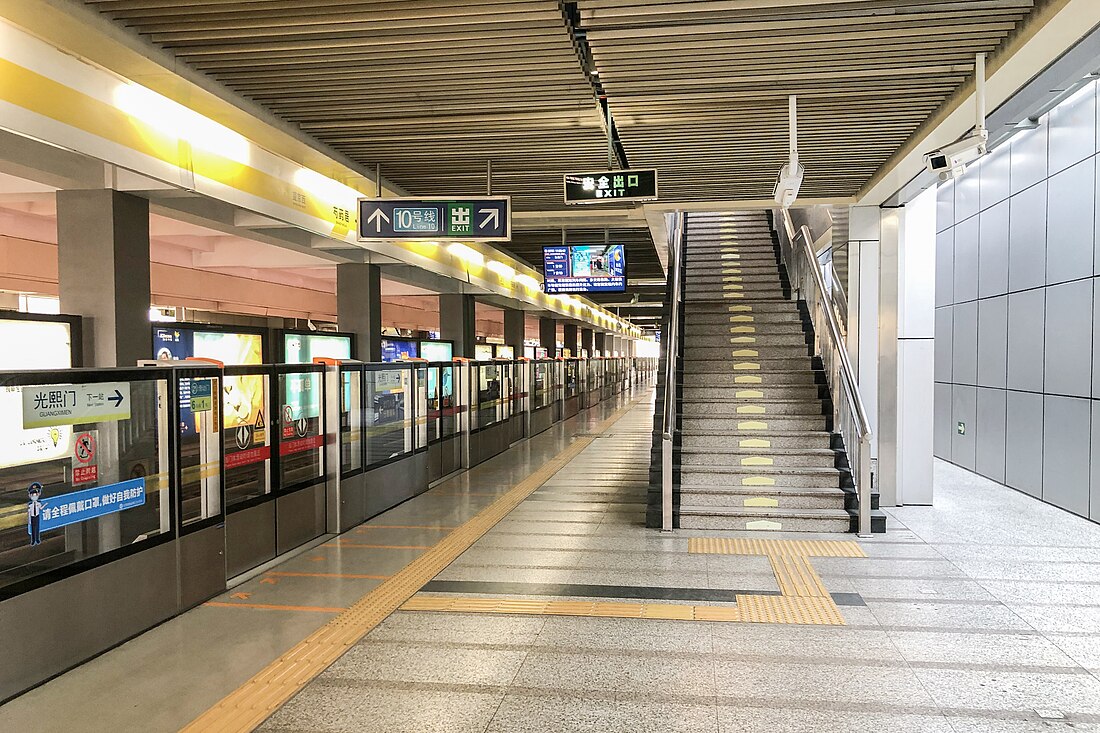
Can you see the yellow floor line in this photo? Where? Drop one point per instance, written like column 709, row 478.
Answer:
column 807, row 548
column 251, row 703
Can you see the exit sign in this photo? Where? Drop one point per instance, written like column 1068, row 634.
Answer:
column 607, row 187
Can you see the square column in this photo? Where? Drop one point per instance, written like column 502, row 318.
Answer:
column 601, row 343
column 548, row 336
column 457, row 322
column 103, row 273
column 570, row 340
column 515, row 329
column 359, row 307
column 587, row 341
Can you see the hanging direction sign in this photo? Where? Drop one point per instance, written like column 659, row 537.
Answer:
column 611, row 186
column 471, row 219
column 75, row 404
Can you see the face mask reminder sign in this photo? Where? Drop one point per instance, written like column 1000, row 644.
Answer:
column 75, row 404
column 80, row 506
column 611, row 186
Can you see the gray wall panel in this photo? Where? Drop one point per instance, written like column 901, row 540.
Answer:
column 1071, row 125
column 1066, row 447
column 993, row 342
column 1024, row 442
column 1029, row 158
column 1069, row 337
column 966, row 198
column 966, row 260
column 1094, row 502
column 941, row 432
column 1070, row 225
column 993, row 251
column 964, row 410
column 1027, row 238
column 945, row 207
column 942, row 372
column 994, row 177
column 989, row 457
column 964, row 343
column 1025, row 340
column 1096, row 340
column 945, row 268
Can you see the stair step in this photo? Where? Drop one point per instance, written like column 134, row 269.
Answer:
column 764, row 519
column 748, row 306
column 750, row 392
column 750, row 497
column 718, row 440
column 790, row 336
column 750, row 364
column 745, row 352
column 788, row 458
column 744, row 409
column 696, row 376
column 695, row 477
column 754, row 424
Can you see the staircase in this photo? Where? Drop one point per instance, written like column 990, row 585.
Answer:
column 757, row 449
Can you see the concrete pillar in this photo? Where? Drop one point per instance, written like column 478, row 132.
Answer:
column 587, row 342
column 457, row 322
column 601, row 343
column 103, row 273
column 359, row 307
column 570, row 340
column 515, row 329
column 548, row 336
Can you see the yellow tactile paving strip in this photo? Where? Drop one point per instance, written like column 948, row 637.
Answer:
column 804, row 598
column 251, row 703
column 749, row 609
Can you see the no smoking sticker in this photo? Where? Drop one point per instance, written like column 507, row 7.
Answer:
column 84, row 469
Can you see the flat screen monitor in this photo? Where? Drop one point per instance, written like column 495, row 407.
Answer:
column 303, row 348
column 437, row 350
column 584, row 269
column 397, row 349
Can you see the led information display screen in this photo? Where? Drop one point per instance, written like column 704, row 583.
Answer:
column 585, row 269
column 611, row 186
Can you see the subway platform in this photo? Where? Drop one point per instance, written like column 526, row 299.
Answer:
column 527, row 595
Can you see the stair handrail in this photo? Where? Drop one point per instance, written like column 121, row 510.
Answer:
column 849, row 412
column 672, row 349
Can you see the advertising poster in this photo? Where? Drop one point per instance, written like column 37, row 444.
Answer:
column 397, row 349
column 304, row 348
column 436, row 350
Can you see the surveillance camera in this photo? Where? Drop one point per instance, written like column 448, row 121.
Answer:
column 788, row 183
column 950, row 161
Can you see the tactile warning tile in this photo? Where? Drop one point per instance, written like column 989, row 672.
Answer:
column 749, row 609
column 806, row 548
column 251, row 703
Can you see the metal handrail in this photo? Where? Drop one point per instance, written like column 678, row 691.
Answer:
column 850, row 414
column 672, row 347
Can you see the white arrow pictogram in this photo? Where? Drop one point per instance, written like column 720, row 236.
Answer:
column 491, row 215
column 377, row 218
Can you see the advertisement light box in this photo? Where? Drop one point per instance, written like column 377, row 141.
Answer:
column 436, row 350
column 304, row 348
column 584, row 269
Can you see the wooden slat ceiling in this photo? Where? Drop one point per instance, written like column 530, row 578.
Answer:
column 430, row 89
column 699, row 89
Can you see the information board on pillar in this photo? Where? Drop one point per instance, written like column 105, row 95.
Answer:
column 611, row 186
column 471, row 219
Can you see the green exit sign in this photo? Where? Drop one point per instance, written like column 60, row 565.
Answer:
column 961, row 428
column 611, row 186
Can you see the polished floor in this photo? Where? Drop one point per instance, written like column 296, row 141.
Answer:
column 979, row 614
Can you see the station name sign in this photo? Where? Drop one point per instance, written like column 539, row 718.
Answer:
column 611, row 186
column 471, row 219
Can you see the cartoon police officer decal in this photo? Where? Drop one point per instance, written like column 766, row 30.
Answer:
column 35, row 507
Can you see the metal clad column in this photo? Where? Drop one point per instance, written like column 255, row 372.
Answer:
column 601, row 343
column 587, row 341
column 456, row 322
column 515, row 329
column 359, row 306
column 103, row 273
column 548, row 336
column 569, row 339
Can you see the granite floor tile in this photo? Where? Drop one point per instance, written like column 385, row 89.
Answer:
column 522, row 714
column 1001, row 650
column 786, row 720
column 605, row 672
column 425, row 662
column 781, row 683
column 1016, row 691
column 936, row 615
